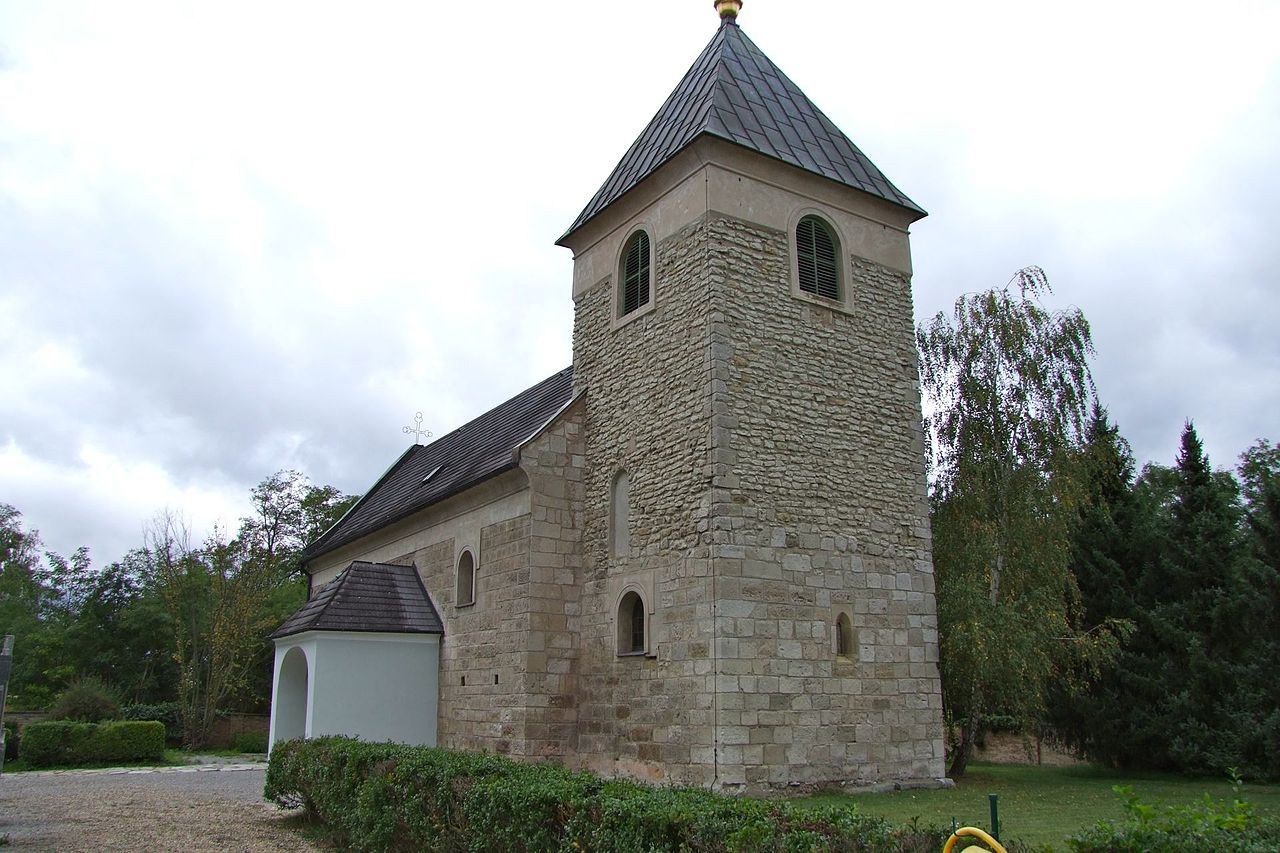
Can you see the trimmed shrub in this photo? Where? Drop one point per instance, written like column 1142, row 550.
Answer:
column 11, row 739
column 164, row 712
column 86, row 701
column 67, row 743
column 391, row 797
column 54, row 742
column 249, row 742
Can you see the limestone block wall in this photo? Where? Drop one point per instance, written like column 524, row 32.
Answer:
column 818, row 506
column 647, row 384
column 776, row 480
column 554, row 461
column 482, row 705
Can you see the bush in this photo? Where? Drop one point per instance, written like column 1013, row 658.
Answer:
column 86, row 701
column 390, row 797
column 67, row 743
column 11, row 739
column 164, row 712
column 249, row 742
column 1207, row 825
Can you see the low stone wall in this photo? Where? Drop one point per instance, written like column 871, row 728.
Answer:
column 1009, row 748
column 226, row 728
column 22, row 718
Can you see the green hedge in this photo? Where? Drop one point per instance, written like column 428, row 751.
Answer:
column 66, row 743
column 391, row 797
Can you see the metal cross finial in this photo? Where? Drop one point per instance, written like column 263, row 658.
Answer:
column 416, row 430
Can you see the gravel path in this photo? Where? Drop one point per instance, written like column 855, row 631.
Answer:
column 214, row 808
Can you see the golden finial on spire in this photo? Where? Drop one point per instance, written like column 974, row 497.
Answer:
column 728, row 9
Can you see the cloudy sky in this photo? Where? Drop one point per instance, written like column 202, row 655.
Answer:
column 241, row 237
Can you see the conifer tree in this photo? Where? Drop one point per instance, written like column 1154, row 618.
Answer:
column 1102, row 563
column 1260, row 483
column 1183, row 695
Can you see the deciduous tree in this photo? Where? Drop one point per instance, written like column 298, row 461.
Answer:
column 225, row 596
column 1007, row 386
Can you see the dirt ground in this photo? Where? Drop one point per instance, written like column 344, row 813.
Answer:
column 207, row 809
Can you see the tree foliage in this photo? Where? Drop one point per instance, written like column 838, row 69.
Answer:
column 21, row 598
column 1008, row 388
column 171, row 619
column 1194, row 687
column 225, row 596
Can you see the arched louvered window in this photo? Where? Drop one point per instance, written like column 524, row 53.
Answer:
column 634, row 274
column 816, row 257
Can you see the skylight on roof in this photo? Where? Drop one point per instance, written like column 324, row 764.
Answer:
column 434, row 471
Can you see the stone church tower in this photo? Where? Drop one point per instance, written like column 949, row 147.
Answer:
column 756, row 599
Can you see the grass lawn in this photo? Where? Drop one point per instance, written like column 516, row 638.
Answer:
column 1043, row 805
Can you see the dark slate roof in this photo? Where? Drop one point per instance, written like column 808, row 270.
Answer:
column 468, row 455
column 735, row 92
column 368, row 597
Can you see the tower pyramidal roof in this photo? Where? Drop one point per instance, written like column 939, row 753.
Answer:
column 736, row 93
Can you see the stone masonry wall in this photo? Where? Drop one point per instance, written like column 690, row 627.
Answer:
column 819, row 506
column 554, row 462
column 647, row 387
column 484, row 644
column 776, row 478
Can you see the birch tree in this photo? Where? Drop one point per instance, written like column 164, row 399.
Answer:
column 1007, row 389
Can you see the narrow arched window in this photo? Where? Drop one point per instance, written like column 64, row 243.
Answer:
column 631, row 625
column 816, row 258
column 466, row 580
column 844, row 635
column 620, row 515
column 634, row 275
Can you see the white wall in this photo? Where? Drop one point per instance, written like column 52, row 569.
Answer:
column 377, row 687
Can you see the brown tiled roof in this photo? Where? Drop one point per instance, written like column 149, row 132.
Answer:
column 368, row 597
column 469, row 455
column 736, row 93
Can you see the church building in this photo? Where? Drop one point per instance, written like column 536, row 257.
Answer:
column 701, row 554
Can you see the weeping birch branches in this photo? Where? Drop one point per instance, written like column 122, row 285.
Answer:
column 1007, row 389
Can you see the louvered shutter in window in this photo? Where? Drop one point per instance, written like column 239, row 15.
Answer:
column 816, row 255
column 635, row 273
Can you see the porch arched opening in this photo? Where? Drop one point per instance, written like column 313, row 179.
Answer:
column 291, row 696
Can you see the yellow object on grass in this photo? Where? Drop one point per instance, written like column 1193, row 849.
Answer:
column 973, row 832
